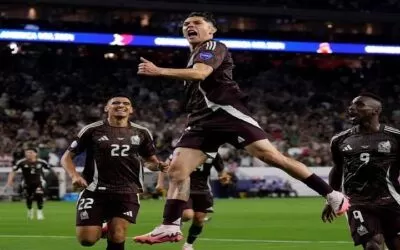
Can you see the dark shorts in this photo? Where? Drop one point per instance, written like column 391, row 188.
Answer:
column 33, row 189
column 367, row 221
column 221, row 127
column 93, row 208
column 201, row 203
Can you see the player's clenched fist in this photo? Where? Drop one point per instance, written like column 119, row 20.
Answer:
column 148, row 68
column 163, row 167
column 78, row 181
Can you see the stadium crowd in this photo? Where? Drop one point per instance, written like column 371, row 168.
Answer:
column 49, row 92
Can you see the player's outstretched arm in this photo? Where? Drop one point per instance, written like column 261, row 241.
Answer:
column 335, row 181
column 10, row 178
column 198, row 72
column 154, row 164
column 69, row 166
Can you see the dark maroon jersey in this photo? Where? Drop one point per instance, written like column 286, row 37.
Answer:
column 114, row 156
column 370, row 165
column 218, row 90
column 32, row 172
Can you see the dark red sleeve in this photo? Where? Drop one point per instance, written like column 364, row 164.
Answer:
column 81, row 141
column 147, row 147
column 211, row 53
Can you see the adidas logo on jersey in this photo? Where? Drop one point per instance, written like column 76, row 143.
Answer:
column 347, row 148
column 103, row 138
column 129, row 213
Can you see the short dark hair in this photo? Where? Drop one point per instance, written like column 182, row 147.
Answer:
column 118, row 95
column 208, row 16
column 372, row 95
column 32, row 147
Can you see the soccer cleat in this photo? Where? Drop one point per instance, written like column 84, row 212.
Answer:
column 339, row 202
column 30, row 214
column 161, row 234
column 104, row 230
column 39, row 215
column 187, row 246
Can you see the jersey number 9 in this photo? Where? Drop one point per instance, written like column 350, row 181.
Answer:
column 120, row 150
column 364, row 157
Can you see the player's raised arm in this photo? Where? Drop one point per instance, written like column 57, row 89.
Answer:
column 199, row 71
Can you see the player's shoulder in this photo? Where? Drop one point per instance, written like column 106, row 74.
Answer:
column 21, row 161
column 90, row 127
column 391, row 130
column 213, row 45
column 142, row 129
column 344, row 134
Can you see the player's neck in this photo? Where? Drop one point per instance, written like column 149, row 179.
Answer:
column 370, row 127
column 117, row 122
column 31, row 160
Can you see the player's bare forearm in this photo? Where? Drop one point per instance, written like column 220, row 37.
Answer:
column 153, row 164
column 179, row 190
column 10, row 178
column 199, row 72
column 68, row 164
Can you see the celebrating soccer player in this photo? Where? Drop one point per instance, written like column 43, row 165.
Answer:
column 113, row 173
column 366, row 165
column 218, row 114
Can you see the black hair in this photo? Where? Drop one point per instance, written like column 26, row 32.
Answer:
column 33, row 148
column 119, row 95
column 208, row 16
column 372, row 95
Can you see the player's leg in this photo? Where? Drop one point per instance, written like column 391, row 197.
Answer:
column 117, row 231
column 89, row 218
column 365, row 226
column 265, row 151
column 375, row 243
column 184, row 162
column 39, row 200
column 188, row 212
column 29, row 193
column 202, row 205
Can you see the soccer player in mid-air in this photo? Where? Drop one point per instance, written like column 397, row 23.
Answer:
column 366, row 165
column 33, row 180
column 113, row 174
column 201, row 199
column 218, row 114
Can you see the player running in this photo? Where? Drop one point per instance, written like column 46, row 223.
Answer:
column 201, row 199
column 33, row 180
column 113, row 174
column 218, row 114
column 366, row 161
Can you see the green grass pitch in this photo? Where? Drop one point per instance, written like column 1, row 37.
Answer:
column 252, row 224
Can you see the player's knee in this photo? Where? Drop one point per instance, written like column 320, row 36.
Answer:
column 87, row 242
column 117, row 234
column 375, row 243
column 199, row 220
column 187, row 215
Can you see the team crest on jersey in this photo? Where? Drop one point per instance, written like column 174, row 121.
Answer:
column 206, row 55
column 384, row 147
column 361, row 230
column 135, row 140
column 26, row 166
column 38, row 165
column 84, row 215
